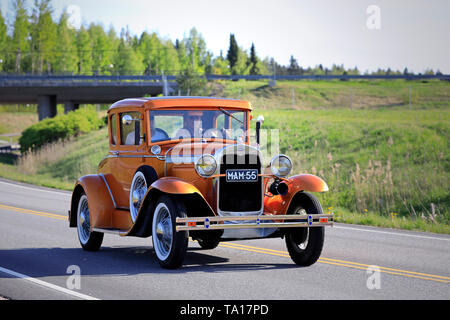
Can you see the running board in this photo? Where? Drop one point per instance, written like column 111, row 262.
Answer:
column 249, row 222
column 110, row 230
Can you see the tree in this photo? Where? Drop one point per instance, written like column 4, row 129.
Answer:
column 220, row 66
column 20, row 43
column 293, row 68
column 241, row 66
column 254, row 70
column 233, row 51
column 65, row 50
column 84, row 50
column 126, row 60
column 157, row 57
column 43, row 35
column 189, row 82
column 169, row 61
column 102, row 49
column 196, row 52
column 3, row 42
column 181, row 52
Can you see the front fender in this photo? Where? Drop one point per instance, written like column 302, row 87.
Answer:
column 194, row 201
column 307, row 182
column 279, row 204
column 174, row 185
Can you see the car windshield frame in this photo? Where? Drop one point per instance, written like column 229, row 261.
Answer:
column 234, row 126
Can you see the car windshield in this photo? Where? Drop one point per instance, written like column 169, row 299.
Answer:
column 207, row 124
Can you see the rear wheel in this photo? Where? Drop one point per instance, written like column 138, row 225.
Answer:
column 142, row 179
column 89, row 240
column 207, row 239
column 208, row 244
column 170, row 246
column 305, row 244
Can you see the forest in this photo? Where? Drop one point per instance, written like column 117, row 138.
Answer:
column 33, row 41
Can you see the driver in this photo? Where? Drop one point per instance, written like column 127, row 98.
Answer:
column 157, row 134
column 192, row 126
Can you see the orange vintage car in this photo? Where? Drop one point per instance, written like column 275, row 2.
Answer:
column 181, row 167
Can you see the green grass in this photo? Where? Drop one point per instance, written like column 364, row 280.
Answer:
column 336, row 94
column 343, row 215
column 68, row 162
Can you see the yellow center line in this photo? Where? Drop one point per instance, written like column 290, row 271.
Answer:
column 343, row 263
column 34, row 212
column 279, row 253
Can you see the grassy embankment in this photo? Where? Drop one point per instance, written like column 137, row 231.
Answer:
column 386, row 162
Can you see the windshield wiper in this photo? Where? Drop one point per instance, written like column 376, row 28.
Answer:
column 230, row 115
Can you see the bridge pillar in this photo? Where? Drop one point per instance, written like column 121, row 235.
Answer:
column 70, row 106
column 165, row 86
column 46, row 106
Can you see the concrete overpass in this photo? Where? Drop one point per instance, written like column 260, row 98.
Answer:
column 73, row 90
column 48, row 91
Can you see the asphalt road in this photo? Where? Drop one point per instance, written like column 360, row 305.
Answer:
column 40, row 258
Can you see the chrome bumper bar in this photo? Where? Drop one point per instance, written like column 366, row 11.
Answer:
column 249, row 222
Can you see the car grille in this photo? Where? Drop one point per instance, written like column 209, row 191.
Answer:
column 240, row 196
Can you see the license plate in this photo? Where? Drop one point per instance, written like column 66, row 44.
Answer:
column 242, row 175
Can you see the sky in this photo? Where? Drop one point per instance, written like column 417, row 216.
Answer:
column 368, row 34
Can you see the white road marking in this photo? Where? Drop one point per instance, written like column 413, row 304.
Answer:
column 392, row 233
column 47, row 284
column 37, row 189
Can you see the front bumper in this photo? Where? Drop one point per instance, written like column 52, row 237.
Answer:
column 250, row 222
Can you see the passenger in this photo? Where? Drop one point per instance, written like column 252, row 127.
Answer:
column 192, row 127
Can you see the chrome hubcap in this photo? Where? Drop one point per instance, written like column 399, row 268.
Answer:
column 162, row 232
column 84, row 224
column 303, row 244
column 137, row 194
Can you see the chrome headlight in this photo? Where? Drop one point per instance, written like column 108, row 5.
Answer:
column 281, row 165
column 206, row 165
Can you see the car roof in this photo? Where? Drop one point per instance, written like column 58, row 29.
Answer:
column 181, row 103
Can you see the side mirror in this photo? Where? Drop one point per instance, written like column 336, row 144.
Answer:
column 260, row 119
column 259, row 122
column 127, row 120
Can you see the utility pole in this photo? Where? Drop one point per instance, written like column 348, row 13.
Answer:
column 273, row 83
column 409, row 89
column 351, row 98
column 293, row 97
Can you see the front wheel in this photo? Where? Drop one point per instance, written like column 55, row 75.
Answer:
column 170, row 246
column 305, row 244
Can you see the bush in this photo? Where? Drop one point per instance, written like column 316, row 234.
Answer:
column 59, row 128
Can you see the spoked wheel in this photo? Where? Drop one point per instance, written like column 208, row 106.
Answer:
column 89, row 240
column 305, row 244
column 137, row 193
column 170, row 246
column 208, row 244
column 207, row 239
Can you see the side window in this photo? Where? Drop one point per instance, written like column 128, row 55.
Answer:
column 220, row 121
column 113, row 126
column 131, row 128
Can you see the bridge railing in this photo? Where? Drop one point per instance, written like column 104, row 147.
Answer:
column 9, row 78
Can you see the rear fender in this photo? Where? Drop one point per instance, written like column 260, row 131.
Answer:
column 279, row 204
